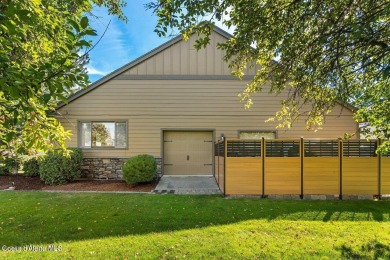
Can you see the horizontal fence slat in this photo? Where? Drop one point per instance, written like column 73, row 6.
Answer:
column 244, row 148
column 359, row 148
column 276, row 148
column 321, row 148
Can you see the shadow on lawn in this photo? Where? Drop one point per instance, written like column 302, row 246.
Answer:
column 371, row 250
column 31, row 218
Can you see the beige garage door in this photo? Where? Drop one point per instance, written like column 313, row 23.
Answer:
column 188, row 153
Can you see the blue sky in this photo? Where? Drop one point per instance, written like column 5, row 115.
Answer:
column 123, row 42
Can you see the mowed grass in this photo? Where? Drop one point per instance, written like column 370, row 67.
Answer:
column 126, row 226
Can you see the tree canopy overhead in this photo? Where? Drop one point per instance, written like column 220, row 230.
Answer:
column 43, row 50
column 324, row 51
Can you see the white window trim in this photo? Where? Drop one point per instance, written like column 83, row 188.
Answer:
column 79, row 131
column 258, row 131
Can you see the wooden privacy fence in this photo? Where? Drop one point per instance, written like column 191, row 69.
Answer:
column 301, row 167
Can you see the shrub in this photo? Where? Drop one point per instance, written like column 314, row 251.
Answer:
column 31, row 168
column 140, row 168
column 73, row 165
column 9, row 164
column 51, row 169
column 56, row 168
column 2, row 167
column 3, row 170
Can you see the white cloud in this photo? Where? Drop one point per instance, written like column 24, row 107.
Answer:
column 93, row 71
column 111, row 51
column 122, row 42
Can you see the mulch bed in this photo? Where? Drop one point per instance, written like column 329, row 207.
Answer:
column 34, row 183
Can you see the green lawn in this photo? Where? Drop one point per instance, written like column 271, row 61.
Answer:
column 117, row 226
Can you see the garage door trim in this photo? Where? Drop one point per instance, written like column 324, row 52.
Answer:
column 211, row 130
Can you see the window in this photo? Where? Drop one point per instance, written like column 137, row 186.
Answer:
column 257, row 134
column 107, row 134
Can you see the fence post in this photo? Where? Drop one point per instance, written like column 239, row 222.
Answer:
column 379, row 142
column 262, row 166
column 224, row 166
column 217, row 153
column 219, row 159
column 301, row 154
column 215, row 163
column 341, row 154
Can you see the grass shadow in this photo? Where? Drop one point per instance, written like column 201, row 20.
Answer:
column 371, row 250
column 36, row 217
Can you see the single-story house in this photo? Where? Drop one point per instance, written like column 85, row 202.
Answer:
column 174, row 102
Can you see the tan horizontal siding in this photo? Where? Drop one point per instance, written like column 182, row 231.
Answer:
column 191, row 96
column 144, row 133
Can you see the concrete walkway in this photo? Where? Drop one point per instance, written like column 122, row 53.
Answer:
column 187, row 185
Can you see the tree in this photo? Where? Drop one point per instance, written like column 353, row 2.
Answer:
column 322, row 51
column 43, row 50
column 100, row 134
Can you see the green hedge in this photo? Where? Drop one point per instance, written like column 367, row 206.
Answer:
column 31, row 168
column 56, row 168
column 140, row 168
column 8, row 165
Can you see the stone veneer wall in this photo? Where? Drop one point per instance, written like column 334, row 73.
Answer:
column 108, row 168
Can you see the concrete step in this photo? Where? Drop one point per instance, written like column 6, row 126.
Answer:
column 188, row 191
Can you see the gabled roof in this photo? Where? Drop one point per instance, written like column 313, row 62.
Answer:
column 134, row 63
column 148, row 55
